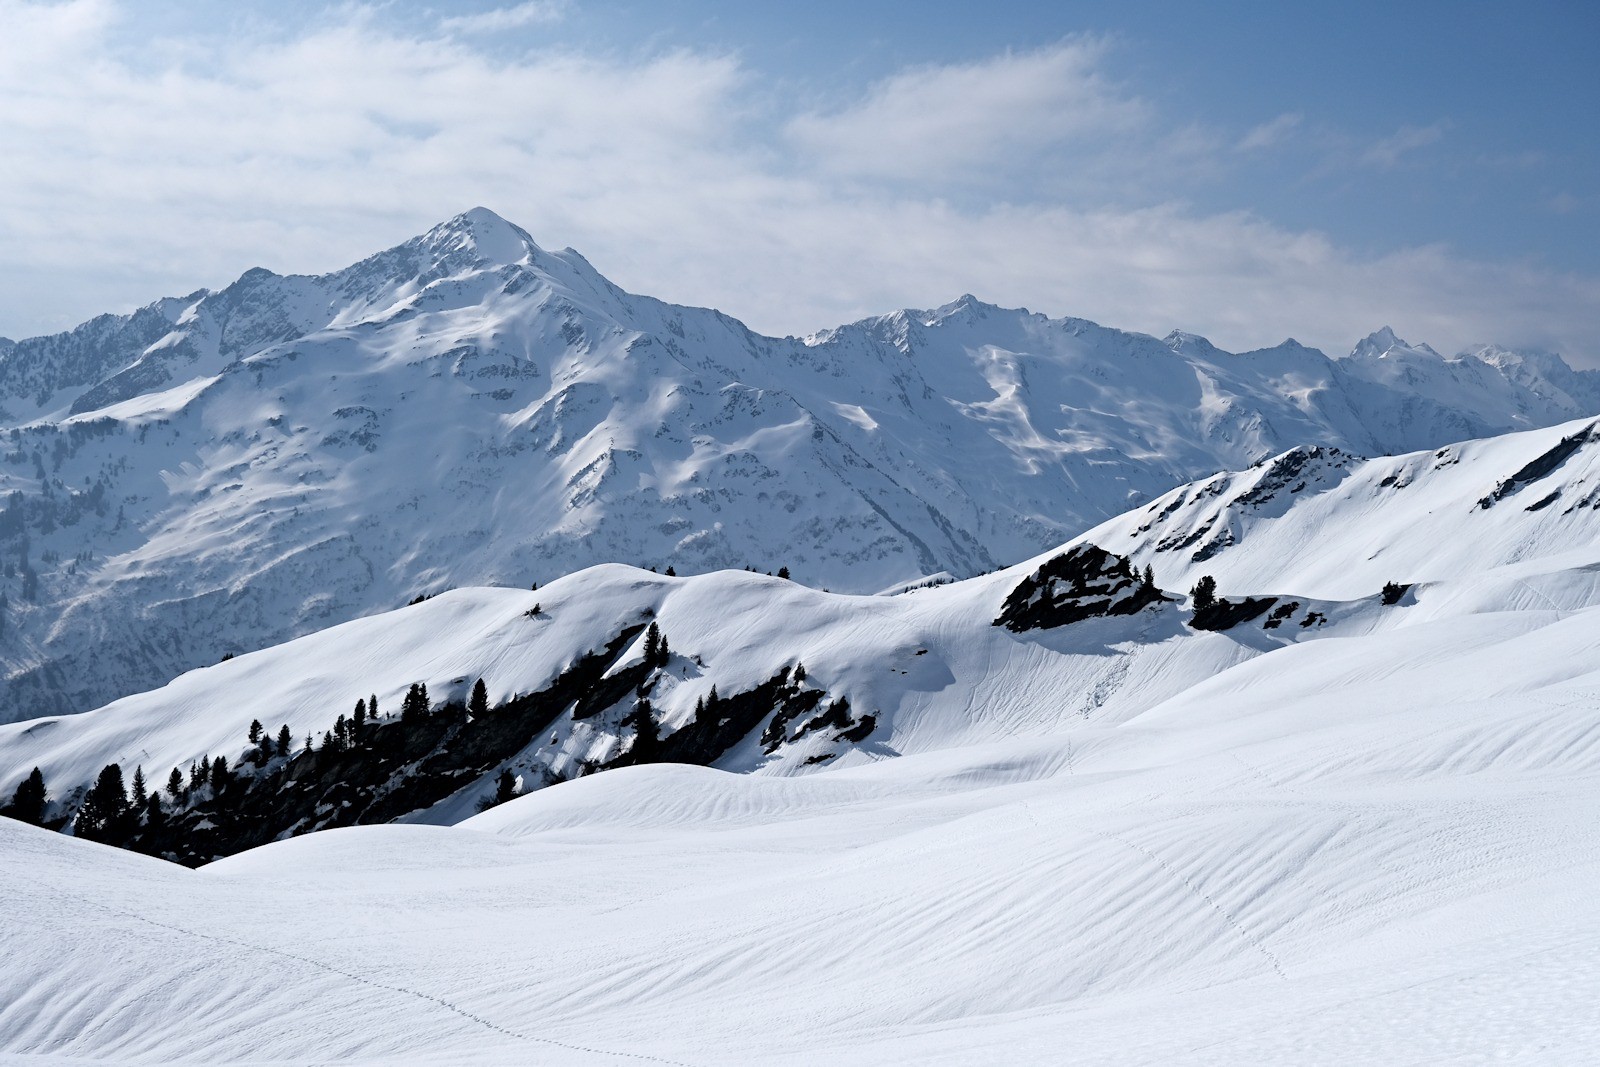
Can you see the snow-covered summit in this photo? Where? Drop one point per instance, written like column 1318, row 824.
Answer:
column 1382, row 343
column 485, row 235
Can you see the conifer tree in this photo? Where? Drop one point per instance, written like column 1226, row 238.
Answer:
column 664, row 653
column 699, row 708
column 478, row 703
column 199, row 773
column 175, row 784
column 1149, row 577
column 647, row 733
column 1204, row 593
column 652, row 644
column 341, row 732
column 372, row 706
column 672, row 572
column 140, row 791
column 783, row 572
column 285, row 740
column 105, row 807
column 505, row 787
column 29, row 801
column 155, row 816
column 799, row 673
column 219, row 775
column 255, row 731
column 359, row 724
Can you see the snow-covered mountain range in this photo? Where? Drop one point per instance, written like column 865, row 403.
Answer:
column 1346, row 813
column 226, row 470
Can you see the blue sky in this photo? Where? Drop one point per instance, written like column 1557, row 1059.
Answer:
column 1246, row 171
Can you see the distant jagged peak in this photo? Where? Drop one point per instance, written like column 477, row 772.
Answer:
column 1546, row 363
column 965, row 307
column 1383, row 342
column 1185, row 343
column 965, row 303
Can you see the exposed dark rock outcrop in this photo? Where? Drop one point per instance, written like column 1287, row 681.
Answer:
column 1540, row 467
column 1226, row 614
column 1085, row 582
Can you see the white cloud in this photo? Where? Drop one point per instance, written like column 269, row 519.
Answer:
column 127, row 178
column 502, row 19
column 1270, row 133
column 933, row 122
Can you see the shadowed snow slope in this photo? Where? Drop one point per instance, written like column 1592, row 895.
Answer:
column 226, row 470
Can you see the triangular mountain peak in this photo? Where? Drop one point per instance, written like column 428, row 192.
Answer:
column 484, row 233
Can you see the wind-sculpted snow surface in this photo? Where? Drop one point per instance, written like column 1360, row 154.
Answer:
column 230, row 469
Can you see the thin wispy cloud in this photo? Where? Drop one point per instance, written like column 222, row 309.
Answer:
column 499, row 20
column 1270, row 133
column 680, row 174
column 1392, row 149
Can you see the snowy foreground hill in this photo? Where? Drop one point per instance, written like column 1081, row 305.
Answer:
column 1350, row 812
column 226, row 470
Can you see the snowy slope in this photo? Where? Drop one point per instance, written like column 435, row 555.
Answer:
column 1372, row 839
column 1328, row 524
column 1320, row 533
column 1375, row 849
column 227, row 470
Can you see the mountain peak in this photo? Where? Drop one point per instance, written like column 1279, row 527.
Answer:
column 485, row 234
column 1377, row 343
column 1380, row 343
column 1183, row 341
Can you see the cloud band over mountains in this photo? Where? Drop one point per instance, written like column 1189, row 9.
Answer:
column 139, row 166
